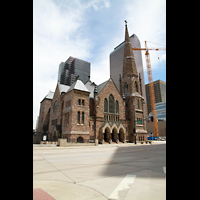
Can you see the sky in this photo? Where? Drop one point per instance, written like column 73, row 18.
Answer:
column 90, row 30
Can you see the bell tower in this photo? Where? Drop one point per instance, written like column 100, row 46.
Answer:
column 132, row 91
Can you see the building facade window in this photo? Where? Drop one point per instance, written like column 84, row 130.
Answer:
column 117, row 107
column 79, row 102
column 55, row 106
column 136, row 87
column 111, row 104
column 78, row 117
column 105, row 105
column 83, row 117
column 83, row 102
column 125, row 89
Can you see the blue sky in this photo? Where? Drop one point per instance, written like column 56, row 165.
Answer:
column 89, row 30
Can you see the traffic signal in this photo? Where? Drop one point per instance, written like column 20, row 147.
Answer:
column 133, row 130
column 152, row 118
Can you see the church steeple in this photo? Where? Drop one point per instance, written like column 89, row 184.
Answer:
column 129, row 66
column 131, row 92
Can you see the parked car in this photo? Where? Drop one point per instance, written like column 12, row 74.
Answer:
column 160, row 139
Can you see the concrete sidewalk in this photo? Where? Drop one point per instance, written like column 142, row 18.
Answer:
column 99, row 172
column 53, row 146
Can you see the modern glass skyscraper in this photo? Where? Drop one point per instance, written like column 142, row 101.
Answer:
column 71, row 68
column 116, row 64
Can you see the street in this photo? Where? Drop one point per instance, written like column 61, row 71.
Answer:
column 125, row 171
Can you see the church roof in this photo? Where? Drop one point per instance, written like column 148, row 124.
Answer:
column 101, row 86
column 78, row 85
column 48, row 96
column 90, row 86
column 63, row 88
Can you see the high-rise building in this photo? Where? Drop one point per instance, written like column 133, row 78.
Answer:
column 116, row 64
column 160, row 93
column 71, row 68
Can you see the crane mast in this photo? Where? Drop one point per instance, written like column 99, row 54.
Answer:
column 152, row 94
column 151, row 88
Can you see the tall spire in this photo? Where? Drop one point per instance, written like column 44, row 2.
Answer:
column 129, row 66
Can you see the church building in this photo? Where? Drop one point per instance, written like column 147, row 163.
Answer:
column 85, row 112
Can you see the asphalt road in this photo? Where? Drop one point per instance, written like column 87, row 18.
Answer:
column 127, row 172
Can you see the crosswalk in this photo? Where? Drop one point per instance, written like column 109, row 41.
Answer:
column 125, row 184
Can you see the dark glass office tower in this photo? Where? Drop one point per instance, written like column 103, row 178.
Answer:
column 159, row 91
column 71, row 68
column 116, row 64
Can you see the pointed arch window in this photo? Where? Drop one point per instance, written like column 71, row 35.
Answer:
column 105, row 105
column 125, row 89
column 117, row 107
column 136, row 87
column 138, row 104
column 111, row 104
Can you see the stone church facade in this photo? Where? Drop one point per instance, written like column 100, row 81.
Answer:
column 85, row 112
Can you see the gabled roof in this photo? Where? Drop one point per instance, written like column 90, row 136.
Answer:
column 78, row 85
column 101, row 86
column 48, row 96
column 63, row 88
column 90, row 86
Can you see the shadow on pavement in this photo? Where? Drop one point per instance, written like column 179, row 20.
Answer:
column 138, row 160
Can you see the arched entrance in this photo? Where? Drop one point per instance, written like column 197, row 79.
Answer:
column 114, row 135
column 107, row 135
column 121, row 135
column 80, row 140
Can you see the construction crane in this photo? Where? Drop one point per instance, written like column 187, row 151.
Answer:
column 151, row 87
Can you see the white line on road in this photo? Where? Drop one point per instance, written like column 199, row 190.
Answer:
column 125, row 184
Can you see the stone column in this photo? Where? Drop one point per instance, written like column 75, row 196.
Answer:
column 117, row 138
column 124, row 137
column 110, row 138
column 102, row 140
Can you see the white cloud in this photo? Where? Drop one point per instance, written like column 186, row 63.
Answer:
column 147, row 19
column 64, row 28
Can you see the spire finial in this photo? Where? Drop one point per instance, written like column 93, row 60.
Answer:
column 125, row 22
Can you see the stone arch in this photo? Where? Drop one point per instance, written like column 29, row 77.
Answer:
column 107, row 134
column 114, row 134
column 106, row 126
column 80, row 139
column 122, row 127
column 115, row 126
column 121, row 135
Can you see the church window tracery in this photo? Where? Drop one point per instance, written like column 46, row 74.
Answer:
column 111, row 104
column 105, row 105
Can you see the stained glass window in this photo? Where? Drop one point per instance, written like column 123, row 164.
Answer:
column 111, row 104
column 105, row 105
column 117, row 107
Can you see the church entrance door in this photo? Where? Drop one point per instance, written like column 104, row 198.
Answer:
column 107, row 135
column 121, row 135
column 114, row 135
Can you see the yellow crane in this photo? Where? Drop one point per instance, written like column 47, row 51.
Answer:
column 151, row 87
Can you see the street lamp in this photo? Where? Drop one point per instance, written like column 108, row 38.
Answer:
column 134, row 129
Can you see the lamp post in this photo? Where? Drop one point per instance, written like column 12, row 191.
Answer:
column 134, row 129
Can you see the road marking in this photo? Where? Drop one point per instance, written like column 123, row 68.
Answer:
column 125, row 184
column 164, row 169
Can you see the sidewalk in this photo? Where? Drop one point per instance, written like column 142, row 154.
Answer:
column 54, row 146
